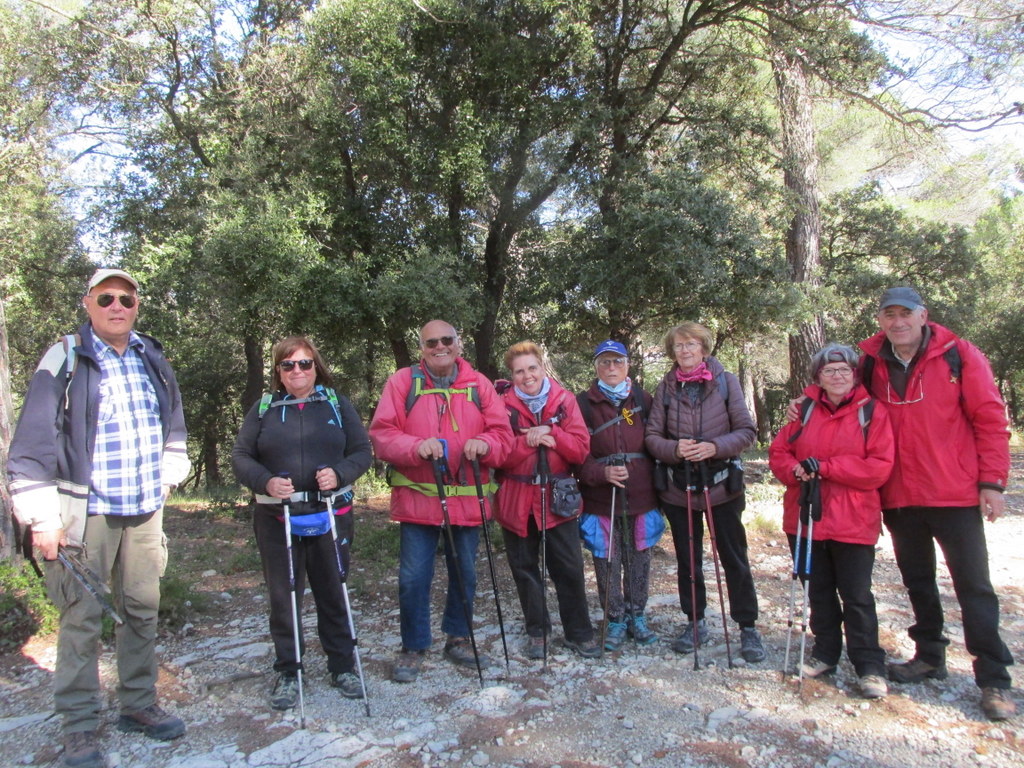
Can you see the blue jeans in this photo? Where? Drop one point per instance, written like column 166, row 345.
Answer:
column 418, row 549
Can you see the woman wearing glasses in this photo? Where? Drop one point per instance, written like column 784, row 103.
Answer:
column 617, row 480
column 843, row 444
column 303, row 446
column 698, row 428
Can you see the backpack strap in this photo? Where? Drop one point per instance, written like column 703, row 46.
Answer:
column 322, row 394
column 864, row 414
column 419, row 388
column 805, row 415
column 70, row 342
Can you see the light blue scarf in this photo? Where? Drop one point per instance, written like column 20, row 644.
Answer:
column 617, row 394
column 535, row 403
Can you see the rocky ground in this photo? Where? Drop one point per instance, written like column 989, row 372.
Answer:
column 640, row 707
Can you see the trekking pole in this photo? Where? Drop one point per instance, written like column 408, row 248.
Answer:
column 542, row 478
column 795, row 576
column 490, row 559
column 608, row 575
column 342, row 575
column 704, row 478
column 92, row 583
column 286, row 506
column 688, row 479
column 627, row 558
column 440, row 470
column 811, row 514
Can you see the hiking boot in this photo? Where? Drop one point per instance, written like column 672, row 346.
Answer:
column 916, row 670
column 407, row 667
column 82, row 750
column 459, row 651
column 348, row 683
column 153, row 722
column 997, row 703
column 641, row 633
column 534, row 647
column 872, row 686
column 588, row 649
column 286, row 691
column 684, row 643
column 614, row 635
column 751, row 647
column 817, row 668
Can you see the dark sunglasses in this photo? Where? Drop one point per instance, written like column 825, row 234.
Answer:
column 444, row 340
column 106, row 299
column 287, row 365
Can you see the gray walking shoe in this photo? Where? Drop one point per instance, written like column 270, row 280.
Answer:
column 751, row 647
column 873, row 687
column 286, row 691
column 916, row 670
column 641, row 633
column 684, row 643
column 153, row 722
column 614, row 635
column 82, row 750
column 407, row 667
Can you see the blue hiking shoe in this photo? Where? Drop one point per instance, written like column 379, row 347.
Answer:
column 640, row 632
column 614, row 635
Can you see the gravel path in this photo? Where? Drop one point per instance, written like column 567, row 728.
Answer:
column 641, row 707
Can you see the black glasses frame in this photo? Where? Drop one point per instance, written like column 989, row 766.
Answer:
column 304, row 365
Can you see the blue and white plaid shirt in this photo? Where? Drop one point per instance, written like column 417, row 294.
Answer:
column 129, row 437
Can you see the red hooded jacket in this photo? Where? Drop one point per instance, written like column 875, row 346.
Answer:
column 954, row 438
column 853, row 466
column 396, row 435
column 519, row 500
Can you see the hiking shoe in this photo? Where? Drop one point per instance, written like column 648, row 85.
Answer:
column 588, row 649
column 286, row 691
column 407, row 668
column 614, row 635
column 817, row 668
column 641, row 633
column 348, row 683
column 751, row 647
column 459, row 651
column 916, row 670
column 82, row 750
column 997, row 703
column 684, row 643
column 153, row 722
column 872, row 686
column 534, row 647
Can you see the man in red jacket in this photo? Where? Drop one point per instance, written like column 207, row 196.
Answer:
column 439, row 403
column 952, row 463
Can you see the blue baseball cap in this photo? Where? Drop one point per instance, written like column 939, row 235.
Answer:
column 610, row 346
column 901, row 296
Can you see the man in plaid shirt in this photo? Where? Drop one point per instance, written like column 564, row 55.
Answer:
column 99, row 445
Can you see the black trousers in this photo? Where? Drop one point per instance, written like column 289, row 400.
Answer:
column 731, row 544
column 840, row 597
column 564, row 561
column 314, row 556
column 960, row 533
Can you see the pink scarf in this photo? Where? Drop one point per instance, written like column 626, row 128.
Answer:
column 700, row 373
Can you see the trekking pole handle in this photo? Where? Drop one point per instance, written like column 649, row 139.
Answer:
column 617, row 460
column 475, row 463
column 543, row 469
column 440, row 467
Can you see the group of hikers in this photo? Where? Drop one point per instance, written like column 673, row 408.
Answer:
column 909, row 430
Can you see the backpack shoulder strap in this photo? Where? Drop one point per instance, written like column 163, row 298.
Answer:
column 866, row 370
column 954, row 361
column 723, row 387
column 70, row 342
column 416, row 388
column 265, row 401
column 864, row 414
column 806, row 407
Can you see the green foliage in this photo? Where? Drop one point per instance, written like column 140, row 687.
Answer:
column 25, row 609
column 180, row 602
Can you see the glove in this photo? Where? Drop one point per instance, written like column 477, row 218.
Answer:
column 810, row 465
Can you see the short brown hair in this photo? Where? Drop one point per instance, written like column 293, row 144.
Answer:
column 286, row 347
column 692, row 330
column 525, row 348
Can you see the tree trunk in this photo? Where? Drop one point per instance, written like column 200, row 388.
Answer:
column 800, row 168
column 253, row 348
column 7, row 546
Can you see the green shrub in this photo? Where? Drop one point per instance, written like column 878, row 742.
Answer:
column 25, row 610
column 179, row 601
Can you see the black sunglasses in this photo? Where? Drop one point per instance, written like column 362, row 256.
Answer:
column 445, row 340
column 287, row 365
column 106, row 299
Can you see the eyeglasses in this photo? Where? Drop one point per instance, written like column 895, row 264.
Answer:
column 445, row 341
column 844, row 371
column 288, row 365
column 106, row 299
column 910, row 386
column 608, row 362
column 687, row 345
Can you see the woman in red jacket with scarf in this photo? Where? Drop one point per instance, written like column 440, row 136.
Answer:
column 846, row 441
column 545, row 419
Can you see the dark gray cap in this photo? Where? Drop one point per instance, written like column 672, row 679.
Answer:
column 901, row 296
